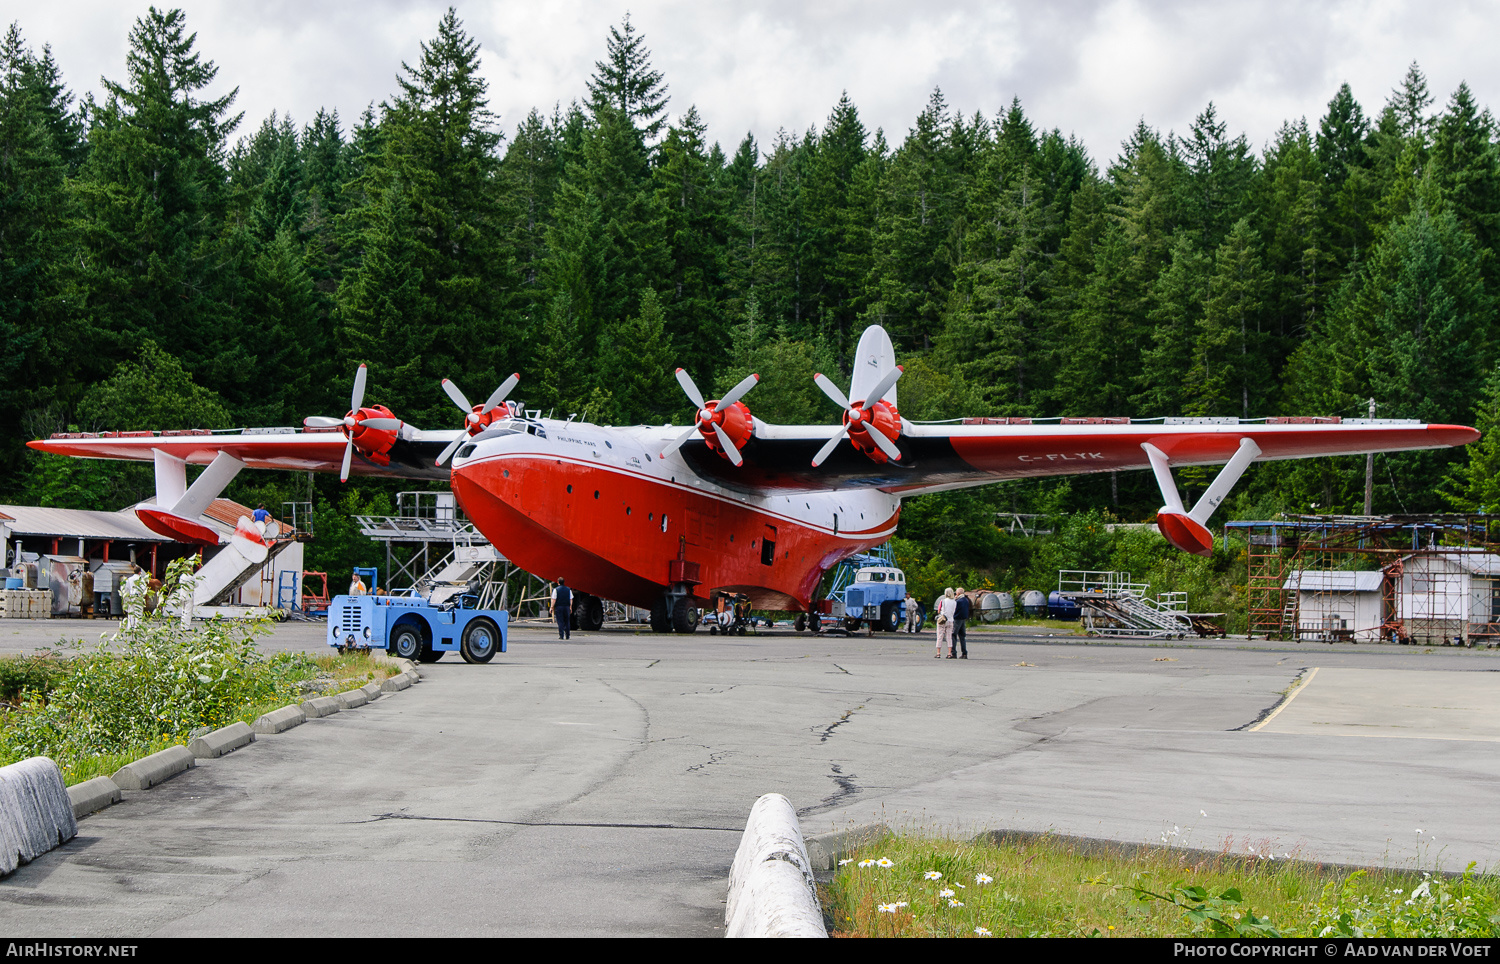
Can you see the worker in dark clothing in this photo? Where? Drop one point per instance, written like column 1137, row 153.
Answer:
column 960, row 616
column 562, row 609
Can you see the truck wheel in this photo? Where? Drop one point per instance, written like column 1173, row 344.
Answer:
column 481, row 640
column 661, row 616
column 406, row 642
column 589, row 614
column 890, row 617
column 684, row 615
column 430, row 655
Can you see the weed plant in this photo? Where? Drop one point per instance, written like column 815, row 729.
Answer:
column 915, row 886
column 149, row 686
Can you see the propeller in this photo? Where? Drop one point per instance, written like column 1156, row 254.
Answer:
column 860, row 417
column 709, row 420
column 475, row 418
column 353, row 422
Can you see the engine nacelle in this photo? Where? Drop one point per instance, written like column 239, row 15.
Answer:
column 882, row 418
column 734, row 419
column 373, row 443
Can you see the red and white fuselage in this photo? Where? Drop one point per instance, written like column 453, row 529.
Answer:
column 601, row 507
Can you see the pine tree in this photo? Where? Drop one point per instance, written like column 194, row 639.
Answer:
column 1230, row 367
column 697, row 226
column 625, row 83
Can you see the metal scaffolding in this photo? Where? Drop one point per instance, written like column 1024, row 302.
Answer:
column 1439, row 578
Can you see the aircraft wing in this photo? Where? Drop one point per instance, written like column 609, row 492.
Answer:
column 306, row 450
column 977, row 451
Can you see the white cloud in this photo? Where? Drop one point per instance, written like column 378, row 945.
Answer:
column 1090, row 67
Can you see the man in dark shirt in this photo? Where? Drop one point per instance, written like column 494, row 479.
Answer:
column 960, row 616
column 562, row 609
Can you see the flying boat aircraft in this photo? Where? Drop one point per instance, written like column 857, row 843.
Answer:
column 661, row 518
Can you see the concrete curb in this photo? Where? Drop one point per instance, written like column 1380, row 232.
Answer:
column 772, row 892
column 349, row 699
column 224, row 740
column 826, row 849
column 36, row 813
column 279, row 721
column 148, row 771
column 395, row 684
column 92, row 795
column 101, row 792
column 320, row 706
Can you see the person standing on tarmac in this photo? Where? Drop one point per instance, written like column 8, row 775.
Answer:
column 960, row 616
column 913, row 613
column 562, row 609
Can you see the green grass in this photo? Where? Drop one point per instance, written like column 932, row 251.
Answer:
column 1052, row 887
column 27, row 683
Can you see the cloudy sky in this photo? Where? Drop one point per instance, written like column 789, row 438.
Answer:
column 1088, row 67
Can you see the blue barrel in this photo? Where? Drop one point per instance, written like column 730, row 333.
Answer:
column 1061, row 607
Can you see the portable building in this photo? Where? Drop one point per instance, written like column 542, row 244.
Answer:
column 1449, row 596
column 1338, row 604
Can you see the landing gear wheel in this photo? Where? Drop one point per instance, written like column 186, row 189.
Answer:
column 684, row 615
column 588, row 613
column 890, row 617
column 481, row 640
column 800, row 623
column 661, row 616
column 406, row 643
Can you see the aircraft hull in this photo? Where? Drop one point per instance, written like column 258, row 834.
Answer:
column 615, row 533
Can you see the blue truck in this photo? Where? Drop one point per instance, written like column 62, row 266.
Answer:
column 867, row 590
column 410, row 628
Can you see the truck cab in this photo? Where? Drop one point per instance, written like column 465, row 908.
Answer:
column 876, row 597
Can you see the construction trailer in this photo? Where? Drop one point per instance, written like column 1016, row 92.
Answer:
column 1439, row 577
column 1338, row 604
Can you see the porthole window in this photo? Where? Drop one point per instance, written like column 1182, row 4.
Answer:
column 596, row 493
column 570, row 490
column 627, row 510
column 507, row 473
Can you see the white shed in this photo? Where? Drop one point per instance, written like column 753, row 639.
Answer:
column 1450, row 595
column 1337, row 604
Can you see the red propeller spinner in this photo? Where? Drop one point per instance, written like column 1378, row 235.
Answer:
column 871, row 423
column 725, row 423
column 477, row 418
column 372, row 430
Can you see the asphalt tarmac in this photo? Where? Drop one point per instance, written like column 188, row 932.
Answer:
column 599, row 786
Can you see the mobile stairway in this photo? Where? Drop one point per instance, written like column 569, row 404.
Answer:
column 1112, row 605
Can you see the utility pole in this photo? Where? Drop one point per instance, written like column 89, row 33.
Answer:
column 1370, row 470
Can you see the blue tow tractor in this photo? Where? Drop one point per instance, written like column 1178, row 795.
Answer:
column 410, row 628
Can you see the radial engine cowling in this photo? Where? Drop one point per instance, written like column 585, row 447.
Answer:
column 733, row 419
column 882, row 417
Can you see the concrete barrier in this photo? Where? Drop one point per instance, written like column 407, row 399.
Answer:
column 320, row 706
column 371, row 691
column 93, row 795
column 148, row 771
column 211, row 746
column 349, row 699
column 396, row 683
column 772, row 892
column 36, row 814
column 279, row 721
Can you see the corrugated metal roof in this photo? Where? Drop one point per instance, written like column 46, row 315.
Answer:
column 31, row 520
column 1475, row 563
column 1334, row 580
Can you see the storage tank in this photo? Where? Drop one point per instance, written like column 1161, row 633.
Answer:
column 1007, row 605
column 987, row 606
column 1061, row 607
column 1033, row 603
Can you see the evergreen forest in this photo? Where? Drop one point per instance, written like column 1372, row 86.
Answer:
column 164, row 263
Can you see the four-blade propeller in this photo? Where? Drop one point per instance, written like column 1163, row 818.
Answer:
column 711, row 415
column 860, row 417
column 355, row 421
column 475, row 416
